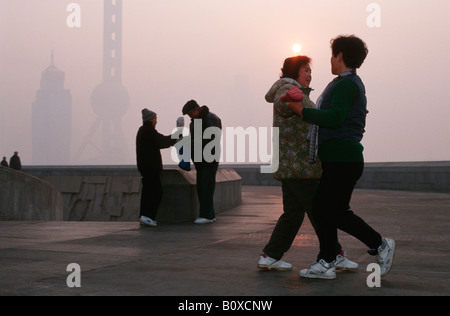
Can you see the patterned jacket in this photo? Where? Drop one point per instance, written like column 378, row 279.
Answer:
column 293, row 132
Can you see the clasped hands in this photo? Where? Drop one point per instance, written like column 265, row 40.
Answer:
column 294, row 97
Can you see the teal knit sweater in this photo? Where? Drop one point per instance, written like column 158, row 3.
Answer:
column 344, row 96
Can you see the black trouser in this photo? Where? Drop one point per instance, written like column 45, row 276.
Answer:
column 206, row 184
column 331, row 210
column 151, row 195
column 298, row 196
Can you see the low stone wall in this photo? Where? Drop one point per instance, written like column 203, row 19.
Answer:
column 433, row 176
column 427, row 176
column 112, row 193
column 180, row 200
column 98, row 198
column 27, row 198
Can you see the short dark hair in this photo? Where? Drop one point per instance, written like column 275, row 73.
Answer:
column 353, row 49
column 190, row 105
column 292, row 66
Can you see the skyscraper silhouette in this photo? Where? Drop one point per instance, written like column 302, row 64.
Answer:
column 51, row 119
column 110, row 99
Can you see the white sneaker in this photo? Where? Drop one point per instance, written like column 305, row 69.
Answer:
column 385, row 256
column 319, row 270
column 267, row 263
column 342, row 263
column 147, row 221
column 202, row 220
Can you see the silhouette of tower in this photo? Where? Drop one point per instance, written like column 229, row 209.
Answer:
column 110, row 99
column 51, row 119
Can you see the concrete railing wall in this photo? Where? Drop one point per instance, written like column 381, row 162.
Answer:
column 27, row 198
column 431, row 176
column 112, row 193
column 407, row 176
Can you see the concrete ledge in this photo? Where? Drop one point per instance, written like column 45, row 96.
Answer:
column 427, row 176
column 112, row 193
column 26, row 198
column 433, row 176
column 180, row 200
column 251, row 175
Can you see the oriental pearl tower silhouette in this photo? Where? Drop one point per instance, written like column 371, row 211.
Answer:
column 110, row 99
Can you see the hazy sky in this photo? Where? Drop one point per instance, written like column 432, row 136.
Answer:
column 227, row 54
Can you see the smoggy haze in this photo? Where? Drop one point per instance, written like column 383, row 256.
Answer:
column 227, row 54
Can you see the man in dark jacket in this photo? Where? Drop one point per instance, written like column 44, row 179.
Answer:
column 149, row 163
column 206, row 162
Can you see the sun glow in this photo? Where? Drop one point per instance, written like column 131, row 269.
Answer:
column 297, row 48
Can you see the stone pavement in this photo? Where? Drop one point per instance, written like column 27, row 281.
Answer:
column 121, row 258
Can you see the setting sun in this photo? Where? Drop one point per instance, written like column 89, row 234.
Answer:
column 297, row 48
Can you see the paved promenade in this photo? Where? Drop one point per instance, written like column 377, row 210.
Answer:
column 121, row 258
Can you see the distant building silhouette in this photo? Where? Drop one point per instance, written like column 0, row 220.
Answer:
column 52, row 119
column 110, row 99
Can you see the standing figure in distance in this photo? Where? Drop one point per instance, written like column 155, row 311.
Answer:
column 206, row 168
column 4, row 163
column 149, row 162
column 14, row 162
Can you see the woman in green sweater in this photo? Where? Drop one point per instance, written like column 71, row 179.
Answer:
column 340, row 117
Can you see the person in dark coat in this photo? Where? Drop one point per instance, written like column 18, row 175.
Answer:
column 149, row 163
column 4, row 163
column 14, row 162
column 206, row 167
